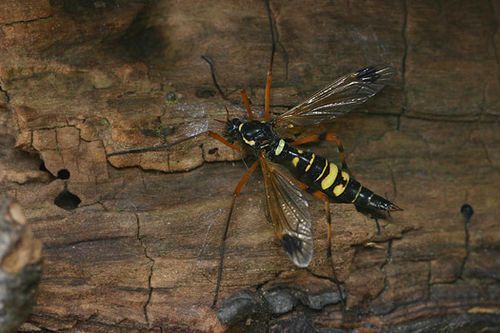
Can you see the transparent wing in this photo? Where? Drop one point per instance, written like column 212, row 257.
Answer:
column 182, row 133
column 339, row 97
column 289, row 212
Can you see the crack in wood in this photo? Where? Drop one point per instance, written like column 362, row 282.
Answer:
column 260, row 285
column 84, row 241
column 387, row 260
column 81, row 322
column 41, row 18
column 151, row 268
column 338, row 284
column 5, row 92
column 467, row 220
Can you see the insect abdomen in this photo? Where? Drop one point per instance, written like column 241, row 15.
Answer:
column 336, row 183
column 320, row 174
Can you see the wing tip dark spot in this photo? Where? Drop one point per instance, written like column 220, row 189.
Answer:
column 295, row 249
column 368, row 74
column 291, row 244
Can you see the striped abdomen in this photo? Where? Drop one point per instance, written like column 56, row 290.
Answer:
column 322, row 175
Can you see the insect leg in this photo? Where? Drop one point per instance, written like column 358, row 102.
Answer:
column 267, row 99
column 220, row 138
column 378, row 225
column 214, row 78
column 329, row 222
column 246, row 101
column 328, row 136
column 320, row 195
column 222, row 250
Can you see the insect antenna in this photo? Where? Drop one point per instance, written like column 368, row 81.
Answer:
column 227, row 117
column 153, row 148
column 214, row 77
column 273, row 33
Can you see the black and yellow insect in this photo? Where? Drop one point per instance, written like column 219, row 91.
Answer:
column 288, row 171
column 287, row 168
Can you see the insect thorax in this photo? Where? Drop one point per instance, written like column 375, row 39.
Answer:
column 258, row 136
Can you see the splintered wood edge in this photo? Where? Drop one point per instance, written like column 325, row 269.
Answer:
column 25, row 250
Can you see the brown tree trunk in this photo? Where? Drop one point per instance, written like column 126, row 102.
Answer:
column 130, row 248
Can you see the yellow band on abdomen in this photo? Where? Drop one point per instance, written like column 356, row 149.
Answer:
column 330, row 178
column 322, row 172
column 340, row 188
column 310, row 162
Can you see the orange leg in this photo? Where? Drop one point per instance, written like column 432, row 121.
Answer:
column 245, row 177
column 246, row 101
column 267, row 98
column 320, row 195
column 222, row 250
column 329, row 222
column 328, row 136
column 220, row 138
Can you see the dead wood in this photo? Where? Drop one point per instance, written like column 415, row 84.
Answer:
column 20, row 266
column 131, row 242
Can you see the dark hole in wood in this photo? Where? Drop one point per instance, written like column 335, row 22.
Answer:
column 42, row 167
column 467, row 211
column 213, row 151
column 63, row 174
column 67, row 200
column 205, row 92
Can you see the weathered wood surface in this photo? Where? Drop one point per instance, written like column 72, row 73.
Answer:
column 20, row 266
column 140, row 253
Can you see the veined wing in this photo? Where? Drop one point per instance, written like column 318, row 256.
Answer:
column 289, row 212
column 183, row 133
column 338, row 98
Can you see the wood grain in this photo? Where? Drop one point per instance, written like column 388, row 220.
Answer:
column 139, row 252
